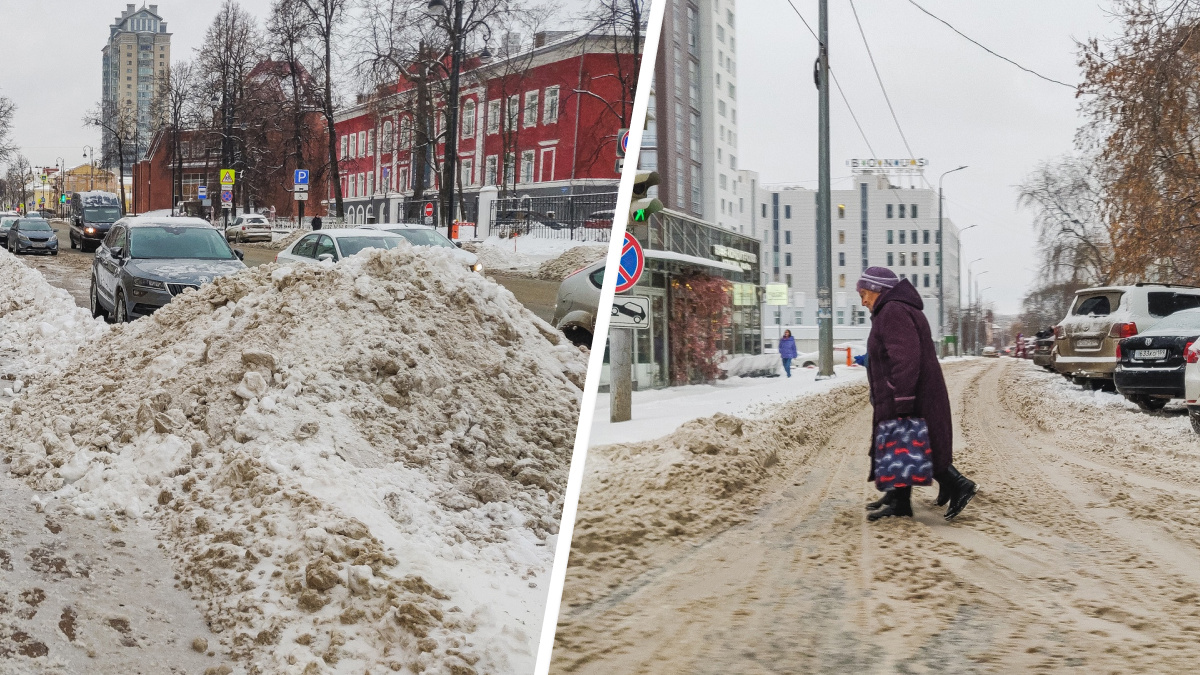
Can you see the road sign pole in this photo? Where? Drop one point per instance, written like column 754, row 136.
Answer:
column 620, row 368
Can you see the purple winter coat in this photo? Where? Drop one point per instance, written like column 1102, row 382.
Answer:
column 904, row 373
column 787, row 347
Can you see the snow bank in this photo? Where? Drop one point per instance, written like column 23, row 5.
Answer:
column 278, row 243
column 571, row 261
column 40, row 327
column 358, row 466
column 526, row 255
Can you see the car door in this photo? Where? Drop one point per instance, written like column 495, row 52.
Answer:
column 326, row 246
column 302, row 251
column 107, row 266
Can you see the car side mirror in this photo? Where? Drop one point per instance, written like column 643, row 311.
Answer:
column 458, row 244
column 239, row 254
column 325, row 257
column 116, row 252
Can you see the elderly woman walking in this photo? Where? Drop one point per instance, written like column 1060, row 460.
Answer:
column 908, row 394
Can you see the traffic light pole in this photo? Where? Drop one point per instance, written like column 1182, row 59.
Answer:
column 620, row 340
column 824, row 234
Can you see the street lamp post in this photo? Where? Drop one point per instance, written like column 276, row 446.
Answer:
column 979, row 311
column 61, row 165
column 222, row 100
column 959, row 334
column 450, row 165
column 958, row 286
column 90, row 153
column 942, row 263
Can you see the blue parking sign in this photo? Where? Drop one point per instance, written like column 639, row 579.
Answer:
column 301, row 177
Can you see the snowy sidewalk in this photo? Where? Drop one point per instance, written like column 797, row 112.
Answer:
column 658, row 412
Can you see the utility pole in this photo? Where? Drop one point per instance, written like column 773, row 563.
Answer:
column 942, row 267
column 824, row 233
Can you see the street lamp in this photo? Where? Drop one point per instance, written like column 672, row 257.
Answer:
column 942, row 262
column 61, row 165
column 221, row 100
column 89, row 155
column 959, row 334
column 979, row 319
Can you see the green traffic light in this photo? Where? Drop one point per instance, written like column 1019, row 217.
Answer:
column 639, row 215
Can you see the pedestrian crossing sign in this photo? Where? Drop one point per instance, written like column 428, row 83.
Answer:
column 227, row 176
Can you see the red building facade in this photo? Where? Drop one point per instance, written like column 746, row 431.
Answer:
column 543, row 122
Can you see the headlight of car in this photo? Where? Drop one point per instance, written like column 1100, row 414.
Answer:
column 477, row 267
column 90, row 230
column 23, row 238
column 149, row 283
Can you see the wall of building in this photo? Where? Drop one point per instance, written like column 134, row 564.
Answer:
column 134, row 63
column 789, row 245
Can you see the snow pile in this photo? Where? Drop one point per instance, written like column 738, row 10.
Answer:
column 571, row 261
column 753, row 365
column 674, row 492
column 40, row 327
column 524, row 256
column 356, row 467
column 280, row 243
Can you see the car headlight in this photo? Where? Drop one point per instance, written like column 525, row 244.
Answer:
column 477, row 267
column 149, row 283
column 21, row 237
column 90, row 230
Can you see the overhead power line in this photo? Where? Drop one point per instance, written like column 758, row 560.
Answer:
column 981, row 46
column 879, row 79
column 837, row 84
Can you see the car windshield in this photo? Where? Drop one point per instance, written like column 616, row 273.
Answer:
column 166, row 241
column 34, row 226
column 1187, row 321
column 6, row 223
column 101, row 214
column 422, row 237
column 256, row 221
column 352, row 245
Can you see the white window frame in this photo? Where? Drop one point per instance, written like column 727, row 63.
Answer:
column 510, row 169
column 491, row 170
column 353, row 145
column 467, row 171
column 362, row 144
column 550, row 107
column 528, row 162
column 345, row 148
column 370, row 183
column 370, row 143
column 532, row 103
column 405, row 132
column 468, row 118
column 493, row 116
column 512, row 117
column 546, row 170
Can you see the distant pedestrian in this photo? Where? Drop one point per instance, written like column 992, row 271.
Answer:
column 787, row 351
column 907, row 390
column 316, row 223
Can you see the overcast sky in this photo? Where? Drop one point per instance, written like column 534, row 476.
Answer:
column 50, row 63
column 956, row 103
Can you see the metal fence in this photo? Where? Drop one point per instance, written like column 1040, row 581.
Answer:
column 587, row 217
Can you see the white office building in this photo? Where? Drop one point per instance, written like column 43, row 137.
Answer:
column 873, row 224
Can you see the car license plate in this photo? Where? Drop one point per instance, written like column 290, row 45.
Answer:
column 39, row 244
column 1149, row 354
column 1087, row 343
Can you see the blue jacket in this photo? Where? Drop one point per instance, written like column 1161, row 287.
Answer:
column 787, row 348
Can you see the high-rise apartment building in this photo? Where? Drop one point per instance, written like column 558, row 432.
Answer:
column 695, row 110
column 136, row 62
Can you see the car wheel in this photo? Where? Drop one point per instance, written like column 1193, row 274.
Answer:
column 94, row 303
column 809, row 364
column 1194, row 416
column 72, row 238
column 119, row 312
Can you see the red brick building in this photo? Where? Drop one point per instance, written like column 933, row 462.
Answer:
column 265, row 180
column 541, row 122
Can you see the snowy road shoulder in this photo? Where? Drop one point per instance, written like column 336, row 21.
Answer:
column 658, row 412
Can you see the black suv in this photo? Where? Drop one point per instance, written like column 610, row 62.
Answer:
column 144, row 262
column 32, row 235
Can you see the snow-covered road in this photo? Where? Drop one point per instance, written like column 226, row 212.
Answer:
column 737, row 546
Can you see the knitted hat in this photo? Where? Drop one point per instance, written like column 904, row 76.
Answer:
column 877, row 279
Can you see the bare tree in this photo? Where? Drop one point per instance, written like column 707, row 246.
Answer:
column 176, row 105
column 7, row 110
column 1073, row 237
column 325, row 19
column 120, row 127
column 231, row 50
column 290, row 37
column 622, row 23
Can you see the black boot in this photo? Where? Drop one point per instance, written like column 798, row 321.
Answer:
column 944, row 481
column 882, row 501
column 899, row 505
column 962, row 489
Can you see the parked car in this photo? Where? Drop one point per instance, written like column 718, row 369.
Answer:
column 1191, row 385
column 1086, row 340
column 600, row 220
column 31, row 234
column 1150, row 365
column 92, row 214
column 989, row 352
column 144, row 262
column 1043, row 350
column 811, row 359
column 249, row 227
column 334, row 245
column 420, row 235
column 6, row 221
column 577, row 303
